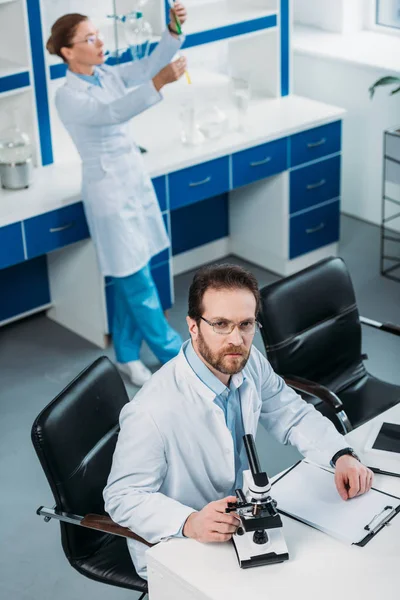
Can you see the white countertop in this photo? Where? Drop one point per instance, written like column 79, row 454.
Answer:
column 158, row 130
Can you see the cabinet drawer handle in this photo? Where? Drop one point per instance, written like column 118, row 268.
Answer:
column 62, row 228
column 196, row 183
column 314, row 186
column 261, row 162
column 321, row 142
column 315, row 229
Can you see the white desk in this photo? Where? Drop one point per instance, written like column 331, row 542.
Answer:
column 320, row 567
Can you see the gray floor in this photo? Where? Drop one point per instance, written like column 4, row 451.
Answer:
column 38, row 358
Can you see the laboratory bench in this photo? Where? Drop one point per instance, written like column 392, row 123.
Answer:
column 270, row 195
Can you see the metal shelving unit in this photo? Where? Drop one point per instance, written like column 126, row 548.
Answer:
column 390, row 223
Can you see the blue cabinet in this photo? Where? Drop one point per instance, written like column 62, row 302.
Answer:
column 162, row 279
column 259, row 162
column 314, row 184
column 26, row 286
column 160, row 187
column 55, row 229
column 315, row 143
column 313, row 229
column 11, row 245
column 197, row 183
column 199, row 224
column 164, row 254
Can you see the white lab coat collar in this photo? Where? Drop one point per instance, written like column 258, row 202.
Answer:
column 76, row 82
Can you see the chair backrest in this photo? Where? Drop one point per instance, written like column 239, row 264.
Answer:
column 311, row 325
column 74, row 438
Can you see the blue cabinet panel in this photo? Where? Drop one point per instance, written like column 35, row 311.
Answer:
column 26, row 287
column 11, row 245
column 314, row 229
column 315, row 143
column 197, row 183
column 259, row 162
column 162, row 279
column 314, row 184
column 55, row 229
column 199, row 224
column 13, row 82
column 161, row 191
column 164, row 255
column 229, row 31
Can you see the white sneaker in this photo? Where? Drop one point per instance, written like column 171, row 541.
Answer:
column 137, row 372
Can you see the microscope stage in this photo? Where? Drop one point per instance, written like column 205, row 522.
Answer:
column 255, row 555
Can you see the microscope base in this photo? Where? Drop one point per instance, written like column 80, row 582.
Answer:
column 250, row 554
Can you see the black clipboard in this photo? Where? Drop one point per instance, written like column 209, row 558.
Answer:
column 372, row 532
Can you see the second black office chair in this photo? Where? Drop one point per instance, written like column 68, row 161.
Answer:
column 312, row 334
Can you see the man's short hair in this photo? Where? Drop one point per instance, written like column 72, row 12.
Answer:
column 219, row 277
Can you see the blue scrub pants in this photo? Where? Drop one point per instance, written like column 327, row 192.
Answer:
column 138, row 316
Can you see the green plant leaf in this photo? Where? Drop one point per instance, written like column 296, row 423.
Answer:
column 388, row 80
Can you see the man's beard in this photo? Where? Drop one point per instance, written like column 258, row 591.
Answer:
column 218, row 360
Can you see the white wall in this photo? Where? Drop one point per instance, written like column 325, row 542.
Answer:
column 339, row 16
column 346, row 85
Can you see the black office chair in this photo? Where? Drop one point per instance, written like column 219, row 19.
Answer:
column 312, row 335
column 74, row 438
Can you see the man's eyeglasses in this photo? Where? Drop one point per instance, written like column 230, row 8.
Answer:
column 224, row 327
column 90, row 39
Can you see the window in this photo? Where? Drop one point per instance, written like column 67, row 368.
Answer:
column 388, row 13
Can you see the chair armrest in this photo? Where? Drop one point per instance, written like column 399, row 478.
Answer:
column 102, row 523
column 316, row 390
column 106, row 524
column 388, row 327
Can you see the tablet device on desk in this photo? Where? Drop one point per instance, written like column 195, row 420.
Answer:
column 385, row 440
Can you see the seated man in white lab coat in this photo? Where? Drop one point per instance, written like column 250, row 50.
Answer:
column 180, row 455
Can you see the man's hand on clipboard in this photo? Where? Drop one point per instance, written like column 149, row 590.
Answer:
column 352, row 478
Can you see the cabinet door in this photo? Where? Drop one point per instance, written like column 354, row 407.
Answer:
column 198, row 224
column 259, row 162
column 161, row 191
column 164, row 254
column 315, row 143
column 26, row 286
column 314, row 229
column 314, row 184
column 55, row 229
column 162, row 279
column 11, row 245
column 197, row 183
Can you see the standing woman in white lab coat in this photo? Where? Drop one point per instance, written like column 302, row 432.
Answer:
column 125, row 222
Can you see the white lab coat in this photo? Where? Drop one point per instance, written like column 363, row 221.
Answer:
column 121, row 207
column 175, row 453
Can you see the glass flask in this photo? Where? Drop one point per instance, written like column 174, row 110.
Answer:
column 16, row 163
column 15, row 146
column 138, row 33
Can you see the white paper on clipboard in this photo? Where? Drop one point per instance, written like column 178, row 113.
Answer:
column 308, row 493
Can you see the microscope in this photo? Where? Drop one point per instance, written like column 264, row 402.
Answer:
column 259, row 540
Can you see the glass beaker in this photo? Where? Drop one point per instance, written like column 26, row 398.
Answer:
column 190, row 132
column 242, row 95
column 213, row 122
